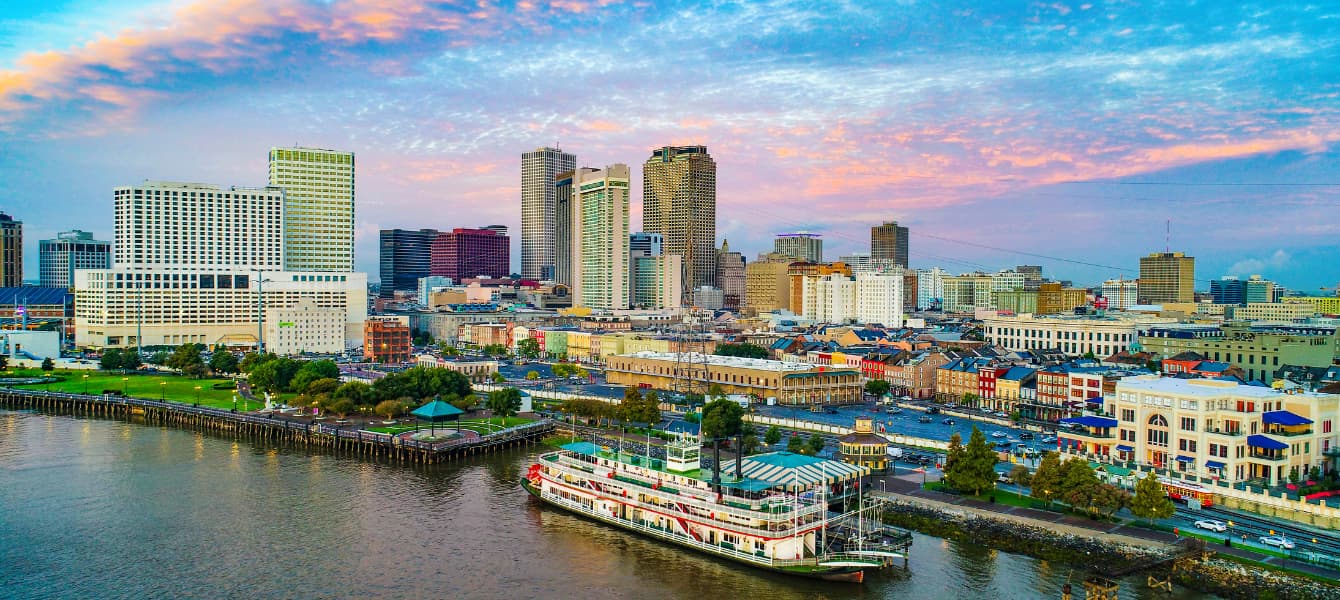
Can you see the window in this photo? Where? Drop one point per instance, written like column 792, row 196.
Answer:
column 1158, row 421
column 1188, row 424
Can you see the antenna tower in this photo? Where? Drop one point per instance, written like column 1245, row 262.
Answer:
column 690, row 353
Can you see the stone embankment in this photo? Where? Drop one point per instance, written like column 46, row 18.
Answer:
column 1104, row 557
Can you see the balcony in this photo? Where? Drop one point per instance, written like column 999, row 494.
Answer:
column 1088, row 435
column 1268, row 456
column 1288, row 433
column 1225, row 433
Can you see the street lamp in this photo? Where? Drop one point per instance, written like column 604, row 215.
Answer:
column 162, row 390
column 197, row 395
column 260, row 313
column 125, row 386
column 86, row 384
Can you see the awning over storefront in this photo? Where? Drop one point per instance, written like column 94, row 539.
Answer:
column 1261, row 441
column 1125, row 448
column 1285, row 418
column 1214, row 464
column 1185, row 459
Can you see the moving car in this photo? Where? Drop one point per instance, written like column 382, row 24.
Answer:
column 1278, row 541
column 1025, row 436
column 1212, row 525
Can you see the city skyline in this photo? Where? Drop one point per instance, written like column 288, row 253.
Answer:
column 1100, row 123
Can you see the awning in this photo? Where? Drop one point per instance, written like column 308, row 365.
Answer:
column 1285, row 418
column 1214, row 464
column 1261, row 441
column 1125, row 448
column 1091, row 421
column 1185, row 459
column 1095, row 400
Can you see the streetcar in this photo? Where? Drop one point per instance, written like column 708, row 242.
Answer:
column 1186, row 491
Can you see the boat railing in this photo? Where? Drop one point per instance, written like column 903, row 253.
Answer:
column 707, row 505
column 678, row 537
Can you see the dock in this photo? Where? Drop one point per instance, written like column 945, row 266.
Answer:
column 318, row 436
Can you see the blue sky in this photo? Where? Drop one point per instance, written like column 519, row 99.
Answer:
column 998, row 132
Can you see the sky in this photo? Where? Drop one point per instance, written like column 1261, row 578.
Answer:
column 1073, row 135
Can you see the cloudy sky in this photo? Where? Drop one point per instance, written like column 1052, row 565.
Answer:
column 1065, row 134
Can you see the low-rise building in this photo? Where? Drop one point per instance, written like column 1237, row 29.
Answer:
column 386, row 340
column 475, row 370
column 1074, row 335
column 789, row 383
column 863, row 447
column 1326, row 305
column 1258, row 350
column 303, row 328
column 1274, row 312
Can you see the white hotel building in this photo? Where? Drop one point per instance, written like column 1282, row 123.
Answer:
column 869, row 297
column 1073, row 335
column 202, row 263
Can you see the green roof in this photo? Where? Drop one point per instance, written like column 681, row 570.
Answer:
column 437, row 410
column 586, row 448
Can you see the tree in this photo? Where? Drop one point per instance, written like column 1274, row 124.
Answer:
column 773, row 436
column 252, row 360
column 972, row 467
column 816, row 443
column 1020, row 476
column 447, row 349
column 422, row 382
column 877, row 387
column 693, row 417
column 341, row 407
column 721, row 419
column 130, row 360
column 532, row 375
column 716, row 392
column 505, row 402
column 795, row 445
column 422, row 338
column 749, row 440
column 528, row 348
column 744, row 350
column 187, row 358
column 223, row 361
column 1046, row 483
column 953, row 456
column 497, row 377
column 388, row 409
column 325, row 386
column 48, row 365
column 4, row 362
column 111, row 359
column 356, row 391
column 1107, row 499
column 462, row 402
column 969, row 398
column 1078, row 482
column 160, row 358
column 632, row 398
column 1151, row 500
column 562, row 370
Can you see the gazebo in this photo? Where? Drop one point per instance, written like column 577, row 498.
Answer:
column 435, row 411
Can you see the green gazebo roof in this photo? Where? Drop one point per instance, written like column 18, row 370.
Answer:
column 437, row 410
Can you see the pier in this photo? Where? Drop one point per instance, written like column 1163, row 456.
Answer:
column 320, row 436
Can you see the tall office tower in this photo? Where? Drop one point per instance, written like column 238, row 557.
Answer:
column 195, row 225
column 731, row 279
column 642, row 245
column 465, row 253
column 655, row 281
column 539, row 192
column 808, row 247
column 59, row 258
column 679, row 201
column 1167, row 277
column 859, row 262
column 563, row 227
column 888, row 243
column 600, row 238
column 1228, row 290
column 1121, row 293
column 406, row 257
column 318, row 207
column 11, row 251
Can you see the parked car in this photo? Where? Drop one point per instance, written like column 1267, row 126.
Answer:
column 1278, row 541
column 1212, row 525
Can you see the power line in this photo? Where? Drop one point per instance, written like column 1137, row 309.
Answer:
column 1207, row 183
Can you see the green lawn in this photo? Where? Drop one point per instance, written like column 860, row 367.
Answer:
column 141, row 385
column 480, row 426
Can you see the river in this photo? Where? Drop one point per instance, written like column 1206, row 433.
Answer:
column 103, row 509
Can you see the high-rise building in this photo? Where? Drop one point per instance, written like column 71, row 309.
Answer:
column 59, row 258
column 1259, row 291
column 888, row 242
column 563, row 228
column 1167, row 277
column 464, row 253
column 406, row 257
column 539, row 192
column 798, row 271
column 318, row 207
column 656, row 281
column 859, row 262
column 767, row 284
column 1121, row 293
column 931, row 288
column 11, row 251
column 730, row 278
column 600, row 234
column 808, row 247
column 193, row 225
column 868, row 297
column 641, row 245
column 679, row 201
column 1228, row 290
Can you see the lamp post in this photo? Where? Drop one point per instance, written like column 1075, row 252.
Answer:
column 162, row 390
column 197, row 395
column 86, row 384
column 260, row 312
column 125, row 386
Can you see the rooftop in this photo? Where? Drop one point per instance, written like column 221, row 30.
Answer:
column 760, row 364
column 1209, row 388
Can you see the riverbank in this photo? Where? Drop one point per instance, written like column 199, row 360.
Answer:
column 1102, row 553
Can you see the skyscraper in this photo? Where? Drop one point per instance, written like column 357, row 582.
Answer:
column 808, row 247
column 679, row 201
column 642, row 245
column 11, row 251
column 600, row 234
column 406, row 256
column 539, row 192
column 730, row 277
column 563, row 228
column 1167, row 277
column 888, row 243
column 464, row 253
column 59, row 258
column 318, row 207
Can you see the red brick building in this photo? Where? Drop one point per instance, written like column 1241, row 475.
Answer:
column 465, row 253
column 386, row 341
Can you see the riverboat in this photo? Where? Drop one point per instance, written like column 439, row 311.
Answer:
column 781, row 526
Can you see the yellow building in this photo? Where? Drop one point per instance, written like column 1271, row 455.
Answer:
column 1053, row 299
column 1326, row 305
column 767, row 285
column 789, row 383
column 863, row 447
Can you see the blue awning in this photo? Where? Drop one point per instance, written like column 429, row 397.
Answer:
column 1125, row 448
column 1185, row 459
column 1095, row 400
column 1284, row 417
column 1091, row 421
column 1214, row 464
column 1261, row 441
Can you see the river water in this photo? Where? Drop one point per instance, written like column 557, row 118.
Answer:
column 103, row 509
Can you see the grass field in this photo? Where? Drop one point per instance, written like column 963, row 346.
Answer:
column 480, row 426
column 153, row 386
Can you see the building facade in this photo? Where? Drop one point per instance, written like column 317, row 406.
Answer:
column 540, row 186
column 768, row 284
column 304, row 327
column 179, row 226
column 1073, row 335
column 1167, row 277
column 657, row 281
column 888, row 242
column 1121, row 293
column 466, row 253
column 562, row 228
column 1259, row 350
column 405, row 257
column 600, row 233
column 679, row 201
column 11, row 251
column 387, row 340
column 318, row 225
column 1324, row 305
column 788, row 382
column 808, row 247
column 731, row 278
column 59, row 258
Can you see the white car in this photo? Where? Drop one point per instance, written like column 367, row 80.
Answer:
column 1278, row 541
column 1212, row 525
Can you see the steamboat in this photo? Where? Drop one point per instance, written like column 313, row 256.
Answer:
column 775, row 513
